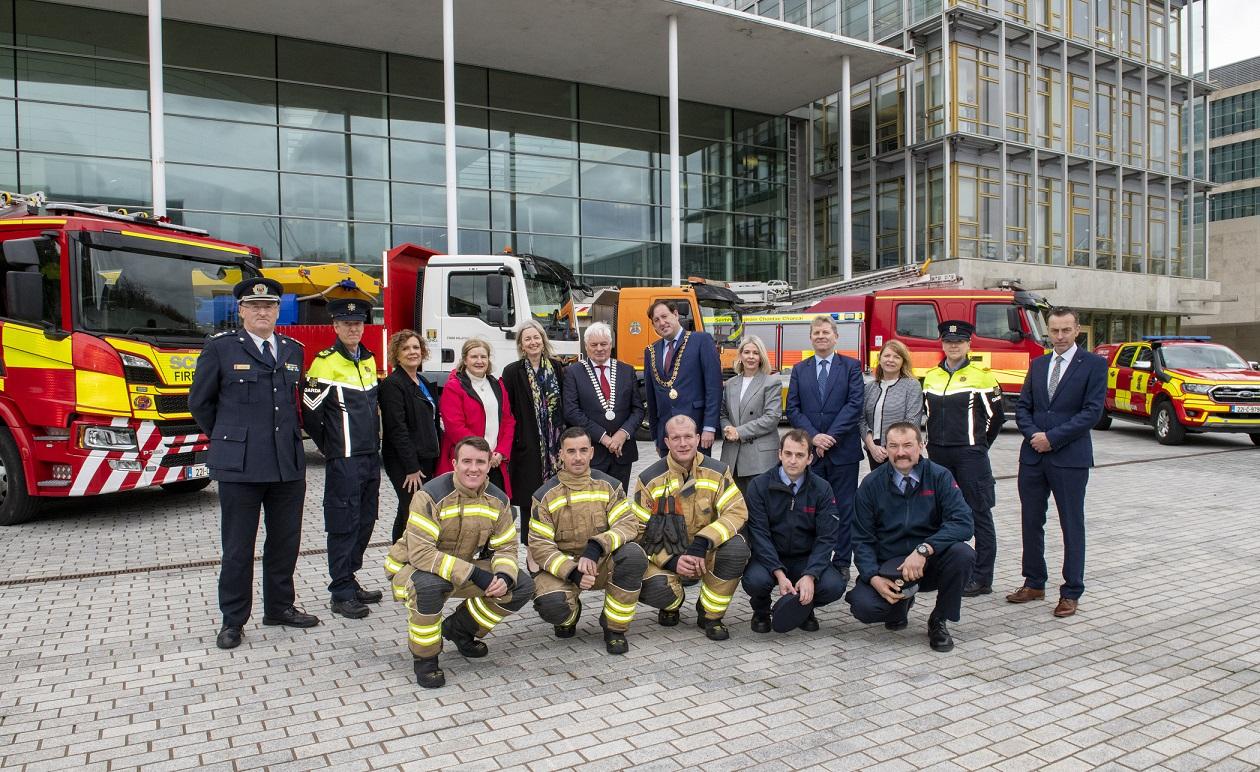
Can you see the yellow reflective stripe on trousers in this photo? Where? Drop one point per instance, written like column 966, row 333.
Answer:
column 504, row 537
column 726, row 496
column 713, row 601
column 446, row 567
column 482, row 613
column 424, row 524
column 425, row 635
column 618, row 612
column 618, row 511
column 400, row 593
column 542, row 529
column 556, row 561
column 392, row 566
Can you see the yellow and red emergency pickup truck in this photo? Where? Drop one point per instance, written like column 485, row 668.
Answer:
column 102, row 317
column 1180, row 384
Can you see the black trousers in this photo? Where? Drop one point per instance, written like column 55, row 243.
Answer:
column 970, row 466
column 351, row 500
column 945, row 573
column 758, row 582
column 396, row 478
column 843, row 480
column 239, row 504
column 617, row 469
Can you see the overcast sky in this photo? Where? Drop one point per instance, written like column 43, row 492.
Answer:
column 1233, row 30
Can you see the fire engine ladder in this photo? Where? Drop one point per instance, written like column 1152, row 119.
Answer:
column 892, row 278
column 20, row 204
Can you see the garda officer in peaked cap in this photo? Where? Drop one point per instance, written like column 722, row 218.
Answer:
column 339, row 407
column 244, row 396
column 963, row 403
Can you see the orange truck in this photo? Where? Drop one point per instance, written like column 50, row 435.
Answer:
column 102, row 318
column 1181, row 384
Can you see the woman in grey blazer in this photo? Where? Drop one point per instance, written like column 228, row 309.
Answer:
column 895, row 395
column 752, row 403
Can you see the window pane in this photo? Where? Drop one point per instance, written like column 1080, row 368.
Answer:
column 330, row 109
column 533, row 174
column 617, row 183
column 563, row 249
column 222, row 190
column 917, row 320
column 610, row 143
column 209, row 95
column 624, row 258
column 468, row 293
column 419, row 204
column 329, row 153
column 332, row 242
column 696, row 119
column 431, row 237
column 538, row 214
column 624, row 108
column 8, row 123
column 423, row 121
column 423, row 78
column 98, row 180
column 85, row 130
column 620, row 221
column 196, row 45
column 82, row 31
column 312, row 62
column 474, row 210
column 531, row 94
column 532, row 134
column 220, row 143
column 261, row 232
column 417, row 162
column 8, row 170
column 333, row 197
column 992, row 321
column 93, row 82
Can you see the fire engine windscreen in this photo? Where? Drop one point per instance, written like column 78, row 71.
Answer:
column 1206, row 356
column 126, row 292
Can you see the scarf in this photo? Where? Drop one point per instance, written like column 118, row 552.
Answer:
column 544, row 387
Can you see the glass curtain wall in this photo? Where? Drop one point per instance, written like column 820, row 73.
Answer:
column 317, row 152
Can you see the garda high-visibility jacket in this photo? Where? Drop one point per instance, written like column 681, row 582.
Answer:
column 571, row 510
column 963, row 407
column 705, row 495
column 339, row 403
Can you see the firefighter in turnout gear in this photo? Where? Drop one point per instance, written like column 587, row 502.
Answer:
column 693, row 513
column 339, row 412
column 584, row 536
column 963, row 402
column 453, row 517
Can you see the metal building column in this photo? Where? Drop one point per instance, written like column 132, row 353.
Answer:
column 448, row 118
column 157, row 109
column 675, row 172
column 846, row 176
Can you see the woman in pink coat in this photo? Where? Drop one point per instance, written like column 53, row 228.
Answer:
column 474, row 404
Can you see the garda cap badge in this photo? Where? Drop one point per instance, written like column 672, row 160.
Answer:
column 260, row 289
column 953, row 328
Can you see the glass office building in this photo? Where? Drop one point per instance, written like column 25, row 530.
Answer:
column 318, row 152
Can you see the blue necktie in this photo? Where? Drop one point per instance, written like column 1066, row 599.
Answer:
column 905, row 483
column 822, row 380
column 267, row 357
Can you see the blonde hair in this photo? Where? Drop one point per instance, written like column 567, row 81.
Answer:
column 764, row 367
column 898, row 348
column 533, row 324
column 399, row 339
column 469, row 345
column 824, row 319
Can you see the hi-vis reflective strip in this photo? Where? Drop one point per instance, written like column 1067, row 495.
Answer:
column 614, row 541
column 618, row 612
column 505, row 537
column 25, row 221
column 670, row 486
column 578, row 497
column 446, row 567
column 392, row 566
column 472, row 510
column 506, row 563
column 726, row 496
column 641, row 513
column 554, row 564
column 542, row 529
column 188, row 242
column 400, row 593
column 424, row 524
column 482, row 613
column 425, row 635
column 712, row 601
column 709, row 485
column 721, row 528
column 618, row 511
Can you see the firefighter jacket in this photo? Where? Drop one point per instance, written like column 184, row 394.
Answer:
column 963, row 407
column 447, row 528
column 572, row 513
column 339, row 403
column 705, row 497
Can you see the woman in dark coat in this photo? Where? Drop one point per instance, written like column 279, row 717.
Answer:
column 533, row 388
column 409, row 422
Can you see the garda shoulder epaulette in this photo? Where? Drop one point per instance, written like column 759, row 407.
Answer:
column 294, row 341
column 221, row 334
column 327, row 352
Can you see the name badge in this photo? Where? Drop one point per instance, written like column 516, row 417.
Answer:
column 290, row 366
column 241, row 366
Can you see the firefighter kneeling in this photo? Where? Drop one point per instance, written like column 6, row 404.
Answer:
column 693, row 513
column 453, row 517
column 584, row 537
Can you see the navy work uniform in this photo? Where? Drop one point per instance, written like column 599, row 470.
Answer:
column 244, row 396
column 339, row 404
column 964, row 417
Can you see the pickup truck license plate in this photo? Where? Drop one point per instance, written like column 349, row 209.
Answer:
column 196, row 472
column 1245, row 409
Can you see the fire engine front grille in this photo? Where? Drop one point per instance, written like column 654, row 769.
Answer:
column 183, row 459
column 172, row 403
column 1247, row 395
column 177, row 429
column 144, row 376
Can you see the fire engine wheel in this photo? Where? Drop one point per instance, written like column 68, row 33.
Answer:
column 16, row 505
column 1168, row 430
column 187, row 486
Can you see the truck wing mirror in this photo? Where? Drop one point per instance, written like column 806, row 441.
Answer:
column 1254, row 365
column 495, row 315
column 495, row 291
column 24, row 294
column 24, row 253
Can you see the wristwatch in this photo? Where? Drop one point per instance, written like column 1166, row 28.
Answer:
column 923, row 549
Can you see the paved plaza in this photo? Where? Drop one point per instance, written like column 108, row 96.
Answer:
column 108, row 617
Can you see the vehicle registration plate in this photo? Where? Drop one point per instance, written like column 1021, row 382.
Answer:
column 196, row 471
column 1246, row 408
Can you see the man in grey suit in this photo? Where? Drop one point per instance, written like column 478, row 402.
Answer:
column 752, row 403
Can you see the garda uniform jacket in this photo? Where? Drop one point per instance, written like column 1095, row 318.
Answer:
column 571, row 511
column 890, row 524
column 705, row 495
column 339, row 403
column 249, row 409
column 963, row 407
column 803, row 528
column 447, row 528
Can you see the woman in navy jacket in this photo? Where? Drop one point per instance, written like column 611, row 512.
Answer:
column 409, row 422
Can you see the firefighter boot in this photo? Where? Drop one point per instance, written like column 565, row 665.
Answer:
column 614, row 641
column 569, row 627
column 667, row 618
column 428, row 674
column 460, row 629
column 714, row 630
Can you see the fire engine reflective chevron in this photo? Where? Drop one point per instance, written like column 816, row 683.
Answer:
column 963, row 407
column 339, row 403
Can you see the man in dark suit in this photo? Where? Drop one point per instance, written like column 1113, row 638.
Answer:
column 1060, row 402
column 601, row 396
column 825, row 397
column 684, row 377
column 244, row 396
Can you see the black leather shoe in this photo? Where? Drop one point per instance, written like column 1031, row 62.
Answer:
column 229, row 637
column 291, row 617
column 810, row 625
column 667, row 618
column 900, row 624
column 368, row 596
column 350, row 609
column 973, row 589
column 761, row 623
column 938, row 635
column 428, row 674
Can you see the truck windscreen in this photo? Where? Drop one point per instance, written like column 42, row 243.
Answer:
column 546, row 298
column 128, row 292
